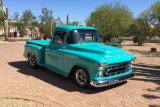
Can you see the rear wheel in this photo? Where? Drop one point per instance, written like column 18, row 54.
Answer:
column 81, row 77
column 32, row 61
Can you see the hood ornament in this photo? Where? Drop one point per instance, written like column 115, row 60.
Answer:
column 118, row 54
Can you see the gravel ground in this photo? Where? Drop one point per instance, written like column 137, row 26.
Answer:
column 147, row 63
column 16, row 103
column 143, row 53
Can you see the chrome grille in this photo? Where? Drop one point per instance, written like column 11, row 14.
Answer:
column 117, row 69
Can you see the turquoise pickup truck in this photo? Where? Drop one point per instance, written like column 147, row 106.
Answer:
column 78, row 52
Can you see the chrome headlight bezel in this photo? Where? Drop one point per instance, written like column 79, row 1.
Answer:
column 102, row 66
column 132, row 61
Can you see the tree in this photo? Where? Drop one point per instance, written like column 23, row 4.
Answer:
column 155, row 16
column 28, row 20
column 14, row 21
column 75, row 23
column 112, row 21
column 155, row 13
column 4, row 19
column 140, row 31
column 47, row 22
column 152, row 15
column 59, row 21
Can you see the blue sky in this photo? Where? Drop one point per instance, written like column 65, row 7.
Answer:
column 78, row 10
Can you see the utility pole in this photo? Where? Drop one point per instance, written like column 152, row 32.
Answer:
column 4, row 20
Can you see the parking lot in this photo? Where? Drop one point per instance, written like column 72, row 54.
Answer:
column 18, row 80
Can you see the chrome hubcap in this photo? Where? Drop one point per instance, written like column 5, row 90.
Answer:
column 81, row 77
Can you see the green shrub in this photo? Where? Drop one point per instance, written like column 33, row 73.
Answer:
column 140, row 40
column 2, row 35
column 140, row 31
column 115, row 41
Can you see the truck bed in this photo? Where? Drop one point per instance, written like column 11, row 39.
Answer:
column 39, row 42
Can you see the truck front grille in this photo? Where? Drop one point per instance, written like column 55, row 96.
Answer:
column 117, row 69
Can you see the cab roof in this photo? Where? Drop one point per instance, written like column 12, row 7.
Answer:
column 69, row 28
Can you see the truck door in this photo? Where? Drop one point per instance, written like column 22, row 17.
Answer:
column 54, row 53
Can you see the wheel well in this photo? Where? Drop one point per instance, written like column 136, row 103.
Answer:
column 73, row 69
column 28, row 55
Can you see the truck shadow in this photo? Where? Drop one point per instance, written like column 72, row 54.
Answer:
column 56, row 79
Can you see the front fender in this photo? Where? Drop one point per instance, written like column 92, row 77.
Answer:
column 88, row 61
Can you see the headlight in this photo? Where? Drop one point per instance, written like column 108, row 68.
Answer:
column 102, row 66
column 132, row 61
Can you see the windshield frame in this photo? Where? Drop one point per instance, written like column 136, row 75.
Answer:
column 78, row 36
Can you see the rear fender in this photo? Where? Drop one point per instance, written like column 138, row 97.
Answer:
column 38, row 51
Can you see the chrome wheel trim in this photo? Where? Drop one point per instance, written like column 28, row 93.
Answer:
column 81, row 77
column 32, row 59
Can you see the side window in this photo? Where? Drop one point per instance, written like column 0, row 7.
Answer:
column 59, row 36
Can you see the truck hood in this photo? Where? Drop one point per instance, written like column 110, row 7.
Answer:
column 111, row 54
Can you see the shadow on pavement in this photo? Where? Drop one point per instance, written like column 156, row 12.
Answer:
column 144, row 72
column 56, row 79
column 148, row 73
column 157, row 89
column 145, row 53
column 154, row 105
column 150, row 96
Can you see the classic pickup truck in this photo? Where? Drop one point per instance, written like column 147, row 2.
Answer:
column 77, row 51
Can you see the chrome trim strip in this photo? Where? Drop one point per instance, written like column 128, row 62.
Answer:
column 108, row 82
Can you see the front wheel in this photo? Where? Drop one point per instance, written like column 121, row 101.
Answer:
column 32, row 61
column 81, row 77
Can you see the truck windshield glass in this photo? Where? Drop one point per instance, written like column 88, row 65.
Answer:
column 83, row 35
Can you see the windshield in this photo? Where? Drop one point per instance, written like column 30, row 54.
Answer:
column 83, row 35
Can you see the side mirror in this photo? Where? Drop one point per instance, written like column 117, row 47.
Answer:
column 60, row 41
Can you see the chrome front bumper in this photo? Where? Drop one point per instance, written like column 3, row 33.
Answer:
column 103, row 83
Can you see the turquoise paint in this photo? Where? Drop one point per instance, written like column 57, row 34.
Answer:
column 38, row 51
column 54, row 58
column 39, row 42
column 61, row 58
column 69, row 28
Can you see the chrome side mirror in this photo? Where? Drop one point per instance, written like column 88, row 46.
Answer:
column 60, row 41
